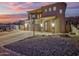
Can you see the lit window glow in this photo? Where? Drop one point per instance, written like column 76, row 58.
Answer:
column 50, row 9
column 60, row 11
column 33, row 16
column 54, row 8
column 45, row 10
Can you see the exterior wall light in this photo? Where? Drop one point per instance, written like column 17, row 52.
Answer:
column 41, row 25
column 25, row 24
column 53, row 24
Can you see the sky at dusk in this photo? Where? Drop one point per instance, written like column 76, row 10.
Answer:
column 14, row 11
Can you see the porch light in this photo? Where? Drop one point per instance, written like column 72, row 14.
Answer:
column 25, row 24
column 41, row 25
column 53, row 24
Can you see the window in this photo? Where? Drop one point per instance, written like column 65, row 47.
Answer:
column 54, row 8
column 33, row 16
column 45, row 10
column 60, row 11
column 50, row 9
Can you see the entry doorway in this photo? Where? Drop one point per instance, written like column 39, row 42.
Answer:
column 47, row 26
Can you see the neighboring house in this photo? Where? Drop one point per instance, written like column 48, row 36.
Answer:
column 20, row 25
column 72, row 24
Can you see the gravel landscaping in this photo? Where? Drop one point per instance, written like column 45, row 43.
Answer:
column 46, row 46
column 6, row 52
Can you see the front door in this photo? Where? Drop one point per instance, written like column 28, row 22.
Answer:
column 47, row 26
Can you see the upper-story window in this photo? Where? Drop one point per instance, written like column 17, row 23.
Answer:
column 33, row 16
column 60, row 11
column 50, row 9
column 45, row 10
column 54, row 8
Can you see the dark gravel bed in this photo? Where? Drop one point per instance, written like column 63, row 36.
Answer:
column 6, row 52
column 46, row 46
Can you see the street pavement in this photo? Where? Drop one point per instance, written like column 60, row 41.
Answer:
column 13, row 37
column 5, row 33
column 10, row 37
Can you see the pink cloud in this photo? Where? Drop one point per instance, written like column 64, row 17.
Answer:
column 17, row 7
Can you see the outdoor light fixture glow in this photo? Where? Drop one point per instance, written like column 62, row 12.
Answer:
column 25, row 24
column 52, row 24
column 41, row 25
